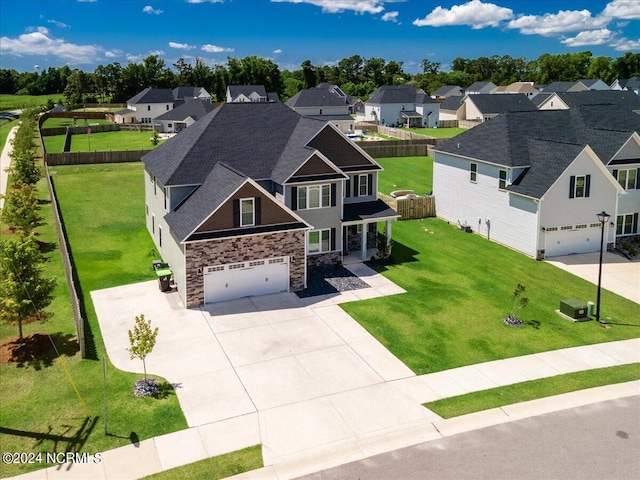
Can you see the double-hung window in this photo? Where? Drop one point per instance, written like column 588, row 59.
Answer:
column 363, row 185
column 316, row 196
column 502, row 182
column 473, row 172
column 579, row 186
column 628, row 179
column 320, row 241
column 247, row 212
column 627, row 224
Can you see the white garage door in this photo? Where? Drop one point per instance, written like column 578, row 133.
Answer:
column 244, row 279
column 577, row 239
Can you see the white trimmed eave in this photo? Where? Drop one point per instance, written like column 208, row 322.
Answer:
column 325, row 159
column 305, row 229
column 476, row 160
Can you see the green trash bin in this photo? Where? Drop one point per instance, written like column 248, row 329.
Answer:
column 164, row 279
column 590, row 309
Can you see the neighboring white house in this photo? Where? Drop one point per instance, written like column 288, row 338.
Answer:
column 398, row 105
column 249, row 93
column 629, row 84
column 183, row 115
column 324, row 102
column 150, row 103
column 453, row 108
column 534, row 181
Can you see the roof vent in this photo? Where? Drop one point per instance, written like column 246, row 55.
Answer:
column 458, row 145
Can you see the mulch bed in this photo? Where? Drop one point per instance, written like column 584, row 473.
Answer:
column 33, row 347
column 329, row 280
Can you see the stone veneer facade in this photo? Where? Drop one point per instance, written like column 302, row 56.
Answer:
column 242, row 249
column 323, row 260
column 354, row 238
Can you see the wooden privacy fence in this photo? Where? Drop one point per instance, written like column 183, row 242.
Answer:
column 81, row 158
column 78, row 129
column 397, row 148
column 69, row 269
column 411, row 207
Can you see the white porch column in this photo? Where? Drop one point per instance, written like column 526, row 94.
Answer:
column 388, row 231
column 363, row 242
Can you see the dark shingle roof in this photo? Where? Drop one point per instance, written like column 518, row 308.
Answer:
column 621, row 98
column 508, row 140
column 448, row 90
column 193, row 108
column 632, row 83
column 315, row 97
column 477, row 86
column 152, row 95
column 489, row 103
column 376, row 209
column 247, row 90
column 399, row 94
column 218, row 186
column 559, row 87
column 182, row 93
column 452, row 103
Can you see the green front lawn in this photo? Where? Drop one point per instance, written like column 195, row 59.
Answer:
column 214, row 468
column 406, row 173
column 460, row 285
column 68, row 122
column 525, row 391
column 40, row 410
column 20, row 102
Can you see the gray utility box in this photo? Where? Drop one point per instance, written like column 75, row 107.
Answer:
column 573, row 308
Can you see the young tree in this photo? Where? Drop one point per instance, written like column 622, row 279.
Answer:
column 24, row 292
column 23, row 167
column 519, row 301
column 20, row 210
column 142, row 340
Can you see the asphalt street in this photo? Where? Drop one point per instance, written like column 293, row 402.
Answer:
column 598, row 441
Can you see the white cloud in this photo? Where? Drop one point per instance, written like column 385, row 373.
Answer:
column 474, row 13
column 338, row 6
column 390, row 17
column 205, row 1
column 183, row 46
column 590, row 37
column 40, row 42
column 58, row 24
column 624, row 45
column 277, row 51
column 151, row 11
column 626, row 9
column 216, row 49
column 551, row 24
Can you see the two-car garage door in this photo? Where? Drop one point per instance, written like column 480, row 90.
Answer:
column 244, row 279
column 572, row 239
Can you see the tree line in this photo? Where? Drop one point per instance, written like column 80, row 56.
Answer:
column 356, row 75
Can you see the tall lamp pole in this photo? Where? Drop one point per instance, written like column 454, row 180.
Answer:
column 603, row 217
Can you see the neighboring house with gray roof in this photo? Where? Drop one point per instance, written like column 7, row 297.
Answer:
column 628, row 84
column 250, row 93
column 566, row 100
column 453, row 108
column 479, row 87
column 483, row 107
column 582, row 85
column 534, row 181
column 235, row 218
column 400, row 105
column 324, row 103
column 150, row 103
column 447, row 91
column 526, row 88
column 184, row 114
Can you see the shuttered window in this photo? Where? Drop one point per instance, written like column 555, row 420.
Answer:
column 579, row 186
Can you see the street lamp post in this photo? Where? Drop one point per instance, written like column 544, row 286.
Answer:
column 603, row 217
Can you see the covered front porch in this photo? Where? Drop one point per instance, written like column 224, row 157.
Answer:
column 360, row 229
column 411, row 119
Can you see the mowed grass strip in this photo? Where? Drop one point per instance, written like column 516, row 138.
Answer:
column 405, row 173
column 103, row 207
column 214, row 468
column 448, row 132
column 534, row 389
column 460, row 285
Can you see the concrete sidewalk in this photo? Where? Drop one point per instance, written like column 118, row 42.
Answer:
column 5, row 163
column 204, row 441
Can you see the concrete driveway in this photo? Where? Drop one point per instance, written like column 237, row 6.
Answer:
column 619, row 275
column 301, row 373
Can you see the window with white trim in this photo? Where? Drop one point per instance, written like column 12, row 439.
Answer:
column 502, row 182
column 319, row 241
column 624, row 224
column 363, row 185
column 159, row 236
column 315, row 196
column 247, row 212
column 473, row 172
column 627, row 179
column 579, row 189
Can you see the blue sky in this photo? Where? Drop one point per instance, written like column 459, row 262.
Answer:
column 86, row 33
